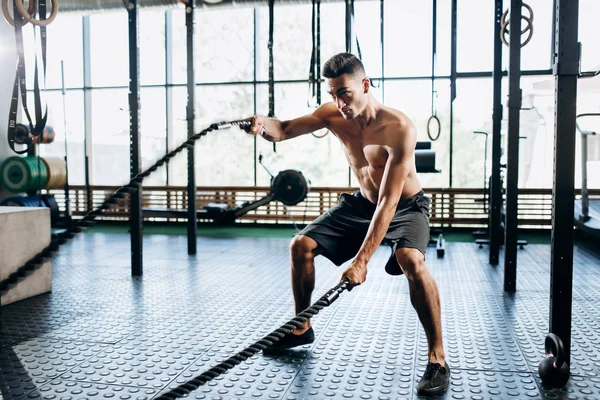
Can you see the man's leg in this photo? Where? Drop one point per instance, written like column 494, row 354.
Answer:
column 303, row 251
column 425, row 298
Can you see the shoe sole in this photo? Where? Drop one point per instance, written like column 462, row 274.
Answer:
column 435, row 390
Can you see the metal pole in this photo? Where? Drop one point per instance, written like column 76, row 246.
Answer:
column 135, row 198
column 87, row 112
column 382, row 38
column 512, row 153
column 348, row 26
column 67, row 189
column 566, row 70
column 453, row 61
column 349, row 50
column 168, row 88
column 271, row 63
column 495, row 190
column 192, row 216
column 255, row 86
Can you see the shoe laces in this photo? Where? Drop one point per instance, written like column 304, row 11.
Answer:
column 432, row 370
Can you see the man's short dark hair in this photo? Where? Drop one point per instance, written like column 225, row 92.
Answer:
column 342, row 63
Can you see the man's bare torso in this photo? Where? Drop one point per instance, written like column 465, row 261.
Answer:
column 367, row 149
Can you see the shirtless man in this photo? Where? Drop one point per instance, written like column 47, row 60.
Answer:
column 379, row 142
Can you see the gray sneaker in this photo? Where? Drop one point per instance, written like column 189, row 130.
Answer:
column 435, row 379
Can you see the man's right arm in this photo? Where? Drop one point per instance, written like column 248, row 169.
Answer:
column 275, row 130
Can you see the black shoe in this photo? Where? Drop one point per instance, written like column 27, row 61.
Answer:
column 435, row 379
column 291, row 340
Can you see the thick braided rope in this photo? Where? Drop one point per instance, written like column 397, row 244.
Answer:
column 89, row 219
column 272, row 338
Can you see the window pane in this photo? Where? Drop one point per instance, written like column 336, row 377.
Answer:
column 537, row 150
column 333, row 28
column 413, row 98
column 292, row 42
column 153, row 129
column 444, row 30
column 475, row 31
column 75, row 123
column 109, row 53
column 110, row 137
column 224, row 45
column 367, row 23
column 223, row 158
column 152, row 48
column 322, row 161
column 408, row 38
column 589, row 10
column 472, row 112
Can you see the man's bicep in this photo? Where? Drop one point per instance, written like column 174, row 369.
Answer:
column 306, row 124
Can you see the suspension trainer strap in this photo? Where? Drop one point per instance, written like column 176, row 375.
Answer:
column 312, row 87
column 318, row 64
column 36, row 84
column 20, row 84
column 271, row 66
column 354, row 31
column 433, row 134
column 433, row 57
column 314, row 80
column 382, row 46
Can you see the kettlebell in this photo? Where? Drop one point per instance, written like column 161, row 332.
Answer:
column 553, row 369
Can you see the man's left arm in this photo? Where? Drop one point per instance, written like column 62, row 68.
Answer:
column 398, row 165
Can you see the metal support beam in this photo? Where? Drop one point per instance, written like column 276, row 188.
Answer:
column 169, row 142
column 512, row 152
column 453, row 67
column 255, row 86
column 87, row 111
column 192, row 218
column 495, row 207
column 135, row 159
column 566, row 70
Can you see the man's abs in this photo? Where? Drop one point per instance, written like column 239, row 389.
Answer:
column 369, row 181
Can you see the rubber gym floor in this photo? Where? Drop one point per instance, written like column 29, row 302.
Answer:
column 102, row 334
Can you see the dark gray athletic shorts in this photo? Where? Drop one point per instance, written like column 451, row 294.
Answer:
column 341, row 230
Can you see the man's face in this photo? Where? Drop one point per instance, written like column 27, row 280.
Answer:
column 348, row 94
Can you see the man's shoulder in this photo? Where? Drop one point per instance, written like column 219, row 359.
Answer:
column 396, row 119
column 327, row 110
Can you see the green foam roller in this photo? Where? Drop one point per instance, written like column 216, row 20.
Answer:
column 23, row 174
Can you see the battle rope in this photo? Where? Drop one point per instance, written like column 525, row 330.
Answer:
column 326, row 300
column 89, row 219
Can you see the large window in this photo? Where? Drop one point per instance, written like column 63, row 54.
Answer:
column 231, row 42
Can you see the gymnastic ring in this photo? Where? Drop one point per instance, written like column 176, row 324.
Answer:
column 439, row 129
column 9, row 18
column 320, row 136
column 38, row 22
column 529, row 19
column 527, row 27
column 504, row 31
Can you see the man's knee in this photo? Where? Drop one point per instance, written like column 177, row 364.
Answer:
column 412, row 262
column 303, row 248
